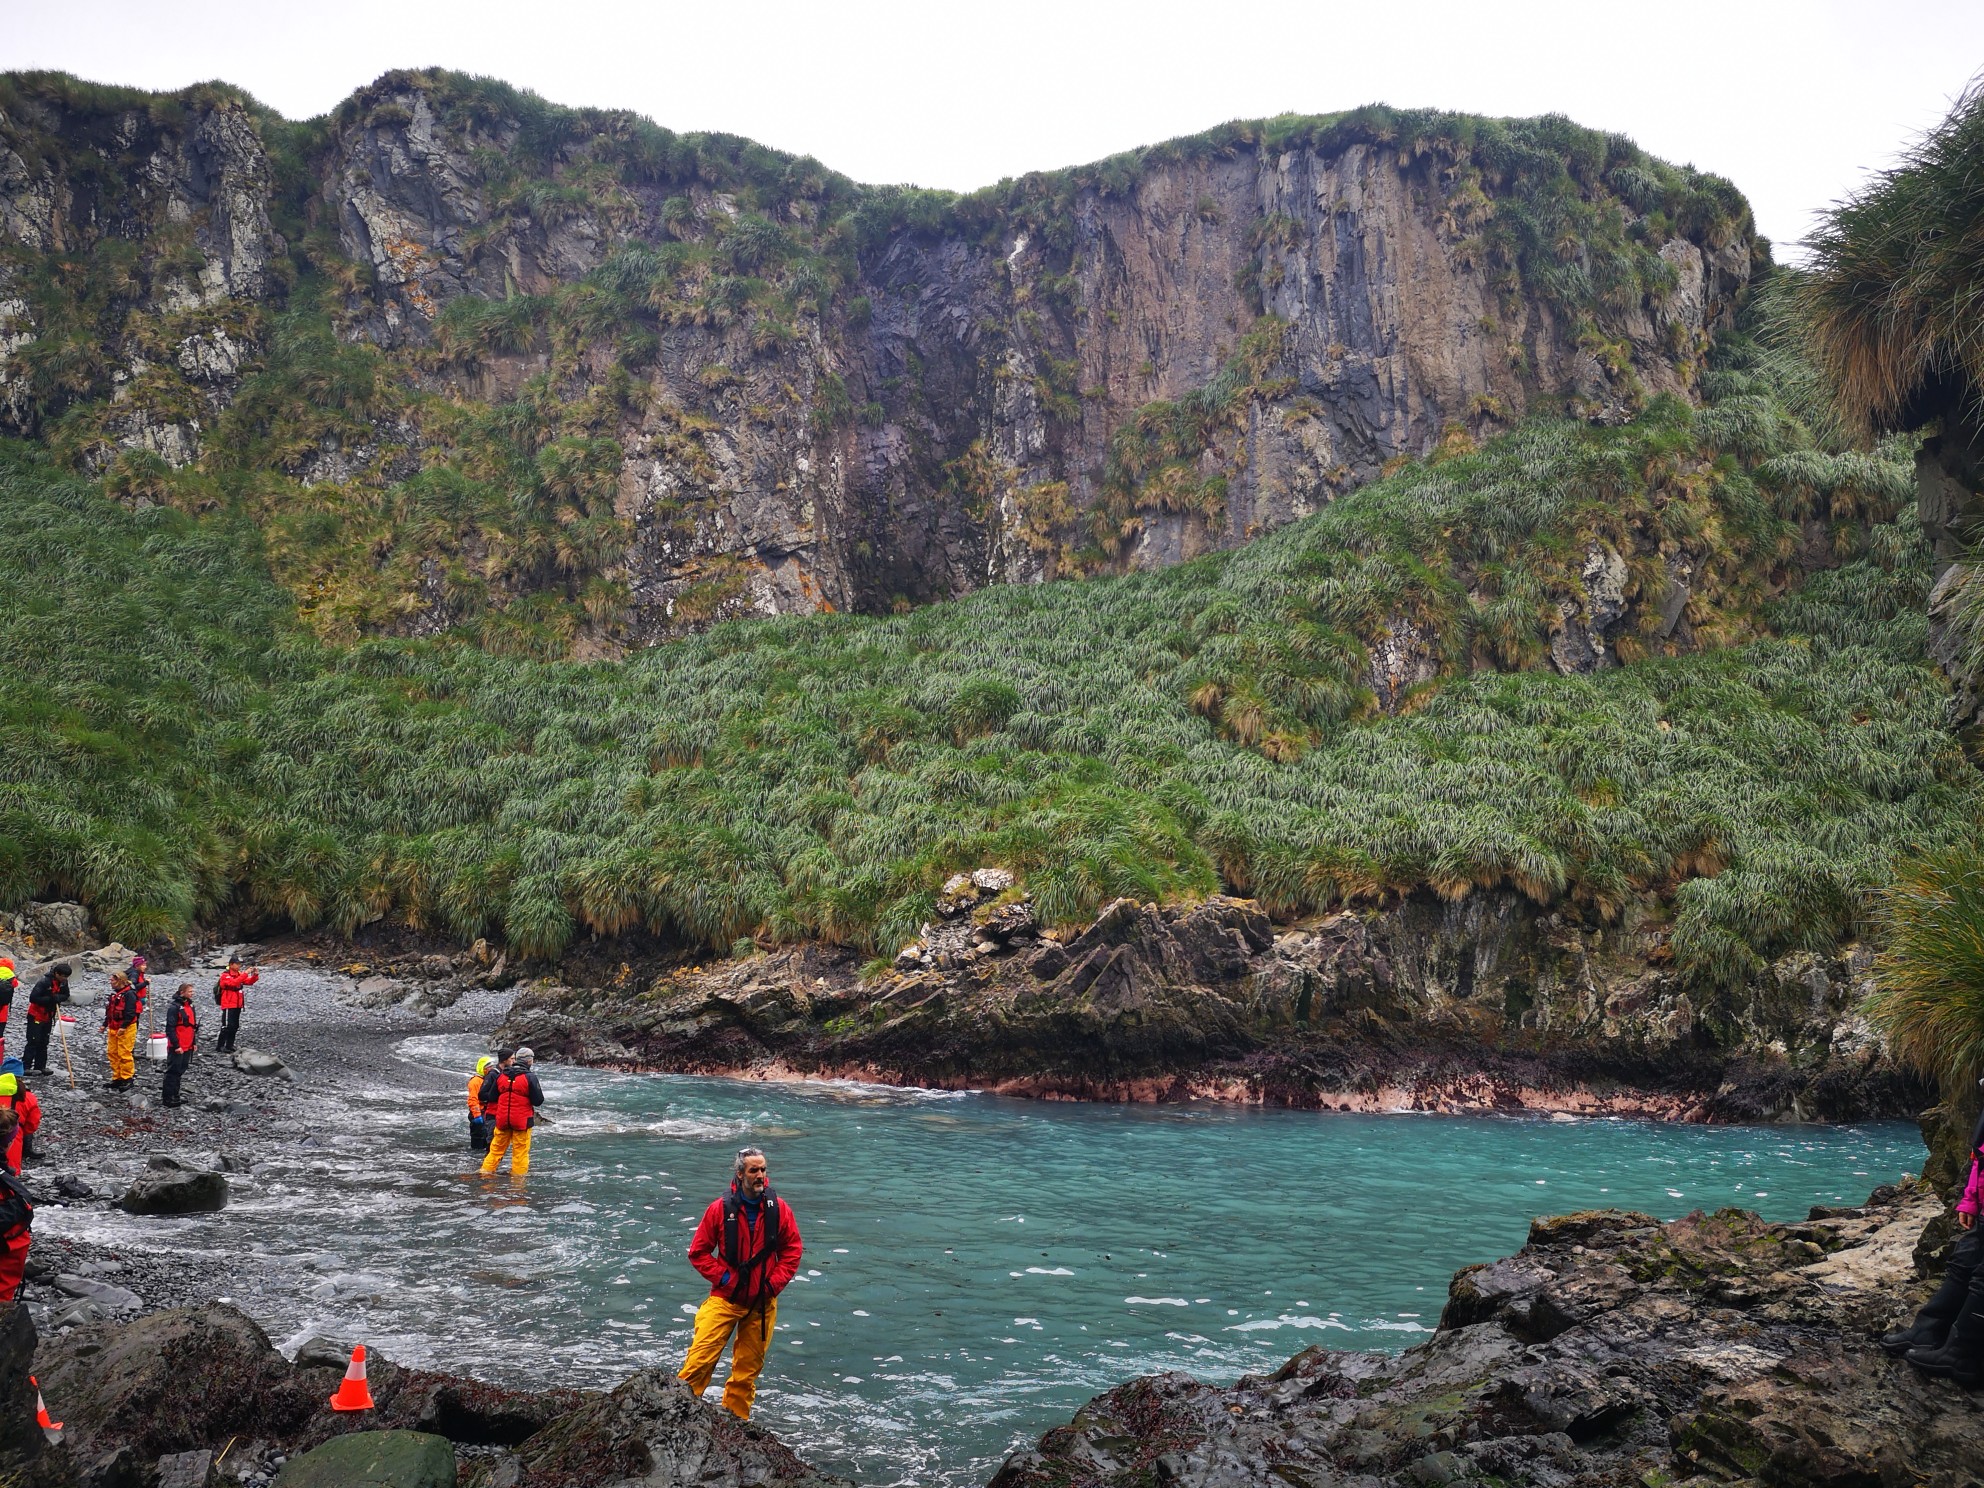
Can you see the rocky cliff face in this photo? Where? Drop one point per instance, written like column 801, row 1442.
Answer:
column 794, row 393
column 1487, row 1004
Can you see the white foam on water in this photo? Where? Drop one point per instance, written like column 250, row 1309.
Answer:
column 1048, row 1271
column 1155, row 1302
column 1286, row 1320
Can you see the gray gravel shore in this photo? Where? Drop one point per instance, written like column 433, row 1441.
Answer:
column 94, row 1141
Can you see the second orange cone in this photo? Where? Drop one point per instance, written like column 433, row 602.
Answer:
column 353, row 1394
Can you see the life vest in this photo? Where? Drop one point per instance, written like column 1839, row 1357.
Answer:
column 752, row 1283
column 185, row 1026
column 227, row 991
column 513, row 1108
column 120, row 1009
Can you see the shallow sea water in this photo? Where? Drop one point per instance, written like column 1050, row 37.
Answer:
column 976, row 1267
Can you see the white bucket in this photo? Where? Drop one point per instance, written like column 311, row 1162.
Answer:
column 155, row 1048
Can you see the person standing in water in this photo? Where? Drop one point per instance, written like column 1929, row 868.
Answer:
column 229, row 993
column 748, row 1249
column 16, row 1218
column 182, row 1029
column 478, row 1122
column 512, row 1097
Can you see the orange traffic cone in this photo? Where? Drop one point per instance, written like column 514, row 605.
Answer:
column 51, row 1429
column 353, row 1394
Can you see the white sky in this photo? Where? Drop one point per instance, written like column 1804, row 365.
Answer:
column 1795, row 102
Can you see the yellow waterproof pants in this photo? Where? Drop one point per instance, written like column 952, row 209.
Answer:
column 716, row 1319
column 516, row 1143
column 118, row 1043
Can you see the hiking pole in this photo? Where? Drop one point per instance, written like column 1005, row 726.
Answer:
column 65, row 1050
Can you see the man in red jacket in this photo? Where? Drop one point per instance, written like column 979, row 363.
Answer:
column 229, row 995
column 748, row 1247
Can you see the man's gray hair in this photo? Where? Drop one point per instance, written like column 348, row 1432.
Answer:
column 747, row 1152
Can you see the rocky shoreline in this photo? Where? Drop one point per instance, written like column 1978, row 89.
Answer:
column 1484, row 1005
column 1611, row 1350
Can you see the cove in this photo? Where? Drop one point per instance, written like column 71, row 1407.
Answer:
column 977, row 1267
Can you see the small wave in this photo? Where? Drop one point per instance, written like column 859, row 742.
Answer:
column 1286, row 1320
column 1048, row 1271
column 1155, row 1302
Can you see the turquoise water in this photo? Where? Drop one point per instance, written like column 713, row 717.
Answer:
column 976, row 1267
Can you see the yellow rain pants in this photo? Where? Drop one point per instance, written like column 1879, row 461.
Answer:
column 517, row 1143
column 118, row 1044
column 716, row 1319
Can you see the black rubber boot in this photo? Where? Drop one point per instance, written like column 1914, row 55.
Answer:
column 1925, row 1333
column 1961, row 1355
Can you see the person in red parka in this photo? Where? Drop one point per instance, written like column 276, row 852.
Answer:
column 228, row 993
column 16, row 1216
column 16, row 1097
column 747, row 1247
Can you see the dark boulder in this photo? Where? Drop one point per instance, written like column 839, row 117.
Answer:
column 170, row 1187
column 651, row 1432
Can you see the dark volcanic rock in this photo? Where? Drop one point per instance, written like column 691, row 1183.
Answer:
column 650, row 1431
column 1610, row 1352
column 1489, row 1003
column 168, row 1187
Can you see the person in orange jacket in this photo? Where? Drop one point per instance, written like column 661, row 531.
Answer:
column 479, row 1121
column 16, row 1219
column 748, row 1249
column 120, row 1030
column 228, row 993
column 182, row 1029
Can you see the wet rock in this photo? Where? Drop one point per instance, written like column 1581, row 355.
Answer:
column 325, row 1353
column 1605, row 1353
column 651, row 1431
column 374, row 1459
column 187, row 1470
column 113, row 1298
column 72, row 1188
column 174, row 1189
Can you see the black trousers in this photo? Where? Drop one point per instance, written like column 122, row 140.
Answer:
column 230, row 1025
column 479, row 1128
column 1963, row 1280
column 175, row 1066
column 36, row 1056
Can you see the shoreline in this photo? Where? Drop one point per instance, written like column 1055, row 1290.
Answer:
column 1481, row 1095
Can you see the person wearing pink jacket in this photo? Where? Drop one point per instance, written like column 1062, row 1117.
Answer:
column 1947, row 1336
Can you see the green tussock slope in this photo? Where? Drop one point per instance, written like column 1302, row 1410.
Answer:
column 176, row 745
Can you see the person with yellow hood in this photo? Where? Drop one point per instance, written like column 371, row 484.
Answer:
column 10, row 981
column 478, row 1121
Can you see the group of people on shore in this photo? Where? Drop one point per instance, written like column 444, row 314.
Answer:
column 123, row 1010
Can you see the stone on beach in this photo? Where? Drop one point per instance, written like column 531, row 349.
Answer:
column 169, row 1187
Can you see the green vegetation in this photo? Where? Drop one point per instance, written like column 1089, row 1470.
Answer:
column 176, row 744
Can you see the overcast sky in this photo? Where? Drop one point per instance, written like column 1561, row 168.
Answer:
column 1795, row 102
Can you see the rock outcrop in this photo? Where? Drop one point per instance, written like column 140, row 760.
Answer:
column 1610, row 1352
column 846, row 402
column 137, row 1394
column 1482, row 1004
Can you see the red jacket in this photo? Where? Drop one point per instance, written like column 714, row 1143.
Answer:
column 227, row 991
column 182, row 1026
column 706, row 1249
